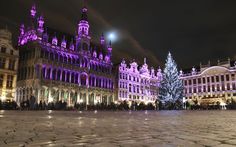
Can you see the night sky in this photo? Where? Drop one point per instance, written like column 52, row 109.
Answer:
column 193, row 31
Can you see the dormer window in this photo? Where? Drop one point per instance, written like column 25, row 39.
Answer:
column 63, row 44
column 72, row 47
column 54, row 41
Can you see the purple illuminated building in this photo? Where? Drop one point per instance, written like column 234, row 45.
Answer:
column 138, row 84
column 63, row 68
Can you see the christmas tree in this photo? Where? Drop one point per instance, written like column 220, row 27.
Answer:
column 171, row 88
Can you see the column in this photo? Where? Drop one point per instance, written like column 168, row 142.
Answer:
column 7, row 63
column 69, row 99
column 61, row 71
column 65, row 76
column 39, row 95
column 59, row 94
column 87, row 82
column 70, row 77
column 101, row 82
column 40, row 72
column 230, row 85
column 94, row 98
column 79, row 79
column 101, row 100
column 46, row 70
column 16, row 64
column 87, row 97
column 78, row 97
column 51, row 73
column 113, row 100
column 49, row 95
column 95, row 82
column 107, row 100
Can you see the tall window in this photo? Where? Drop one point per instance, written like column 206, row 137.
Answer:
column 9, row 81
column 3, row 50
column 11, row 64
column 222, row 78
column 1, row 80
column 227, row 77
column 2, row 62
column 129, row 87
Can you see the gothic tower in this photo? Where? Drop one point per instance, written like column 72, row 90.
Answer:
column 82, row 36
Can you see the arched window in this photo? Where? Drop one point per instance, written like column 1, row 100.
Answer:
column 54, row 74
column 43, row 72
column 48, row 73
column 72, row 77
column 83, row 78
column 58, row 75
column 97, row 82
column 76, row 78
column 68, row 77
column 63, row 76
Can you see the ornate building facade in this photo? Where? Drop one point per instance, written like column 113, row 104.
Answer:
column 211, row 84
column 54, row 68
column 138, row 84
column 9, row 57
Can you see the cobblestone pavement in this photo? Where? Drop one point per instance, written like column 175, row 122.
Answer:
column 123, row 129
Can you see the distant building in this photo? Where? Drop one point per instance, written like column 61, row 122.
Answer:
column 9, row 57
column 210, row 85
column 138, row 84
column 54, row 69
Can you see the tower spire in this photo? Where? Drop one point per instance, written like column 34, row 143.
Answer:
column 33, row 11
column 83, row 28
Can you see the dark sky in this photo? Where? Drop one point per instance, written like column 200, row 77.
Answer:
column 193, row 31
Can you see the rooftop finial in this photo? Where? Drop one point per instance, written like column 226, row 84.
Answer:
column 145, row 60
column 33, row 11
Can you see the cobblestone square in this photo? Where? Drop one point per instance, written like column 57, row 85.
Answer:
column 125, row 129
